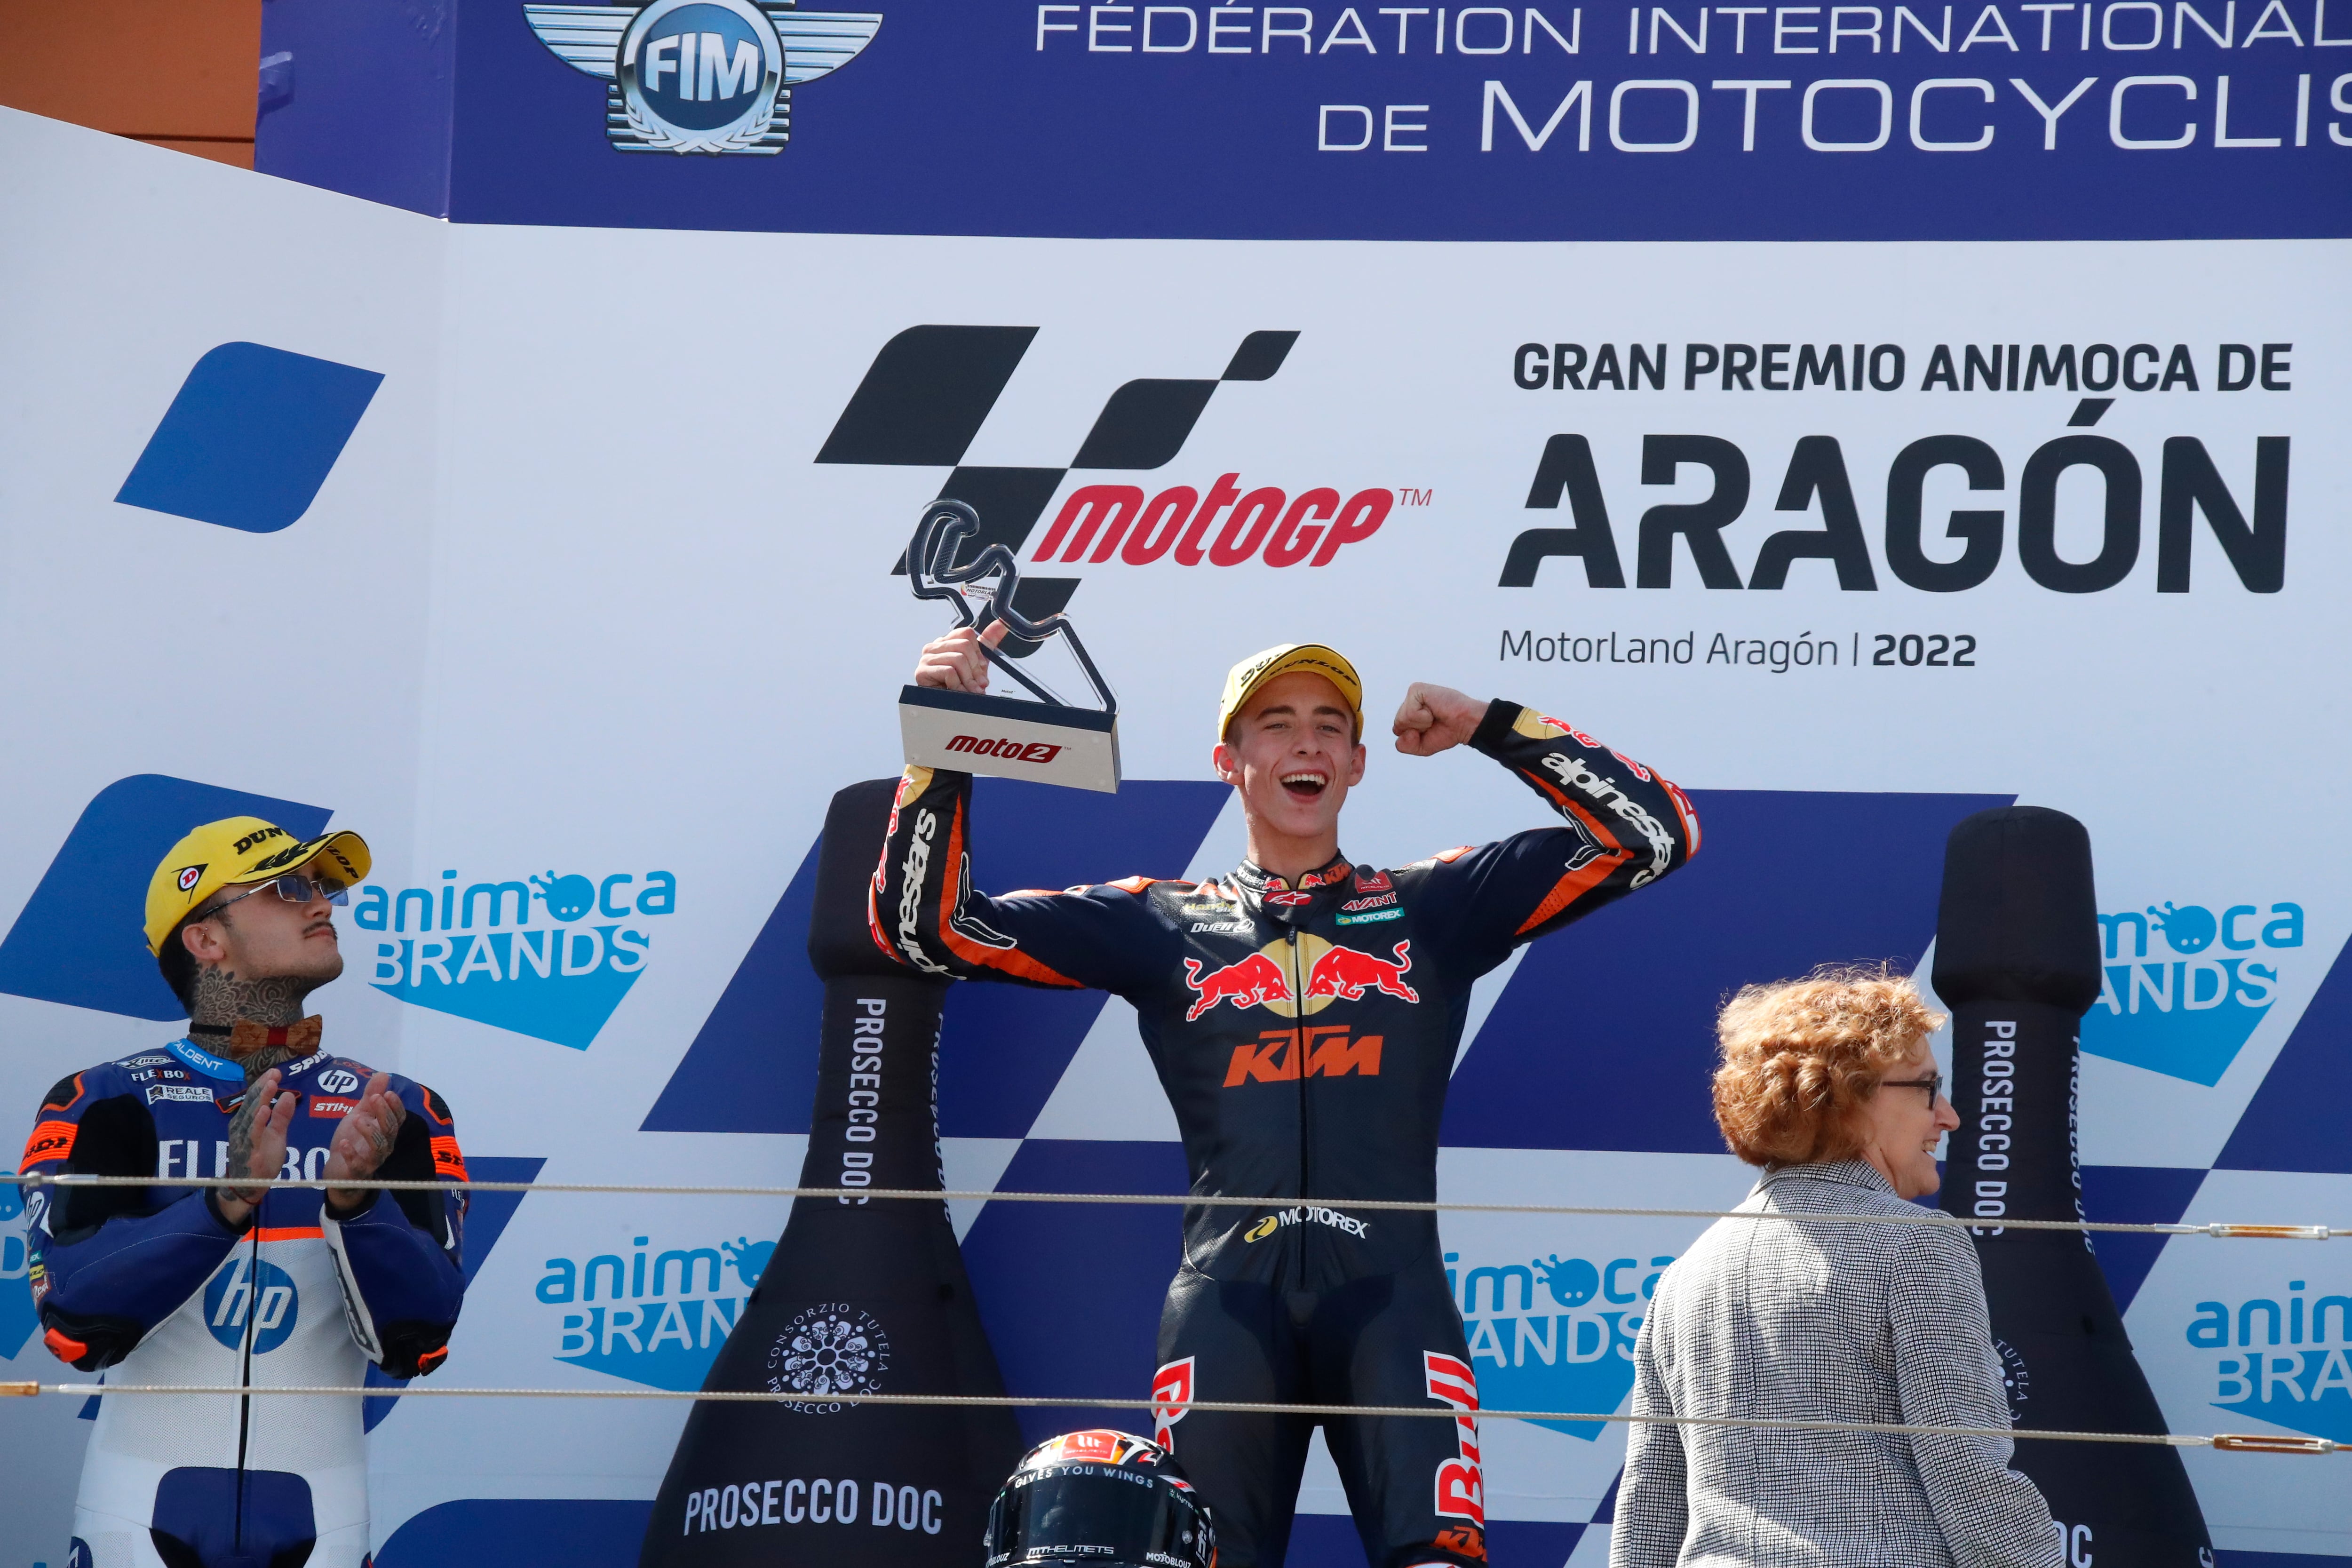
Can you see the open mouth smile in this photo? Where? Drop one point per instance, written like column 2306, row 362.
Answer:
column 1304, row 783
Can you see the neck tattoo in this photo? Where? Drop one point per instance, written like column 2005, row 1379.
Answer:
column 222, row 998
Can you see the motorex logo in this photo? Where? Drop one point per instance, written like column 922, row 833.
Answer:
column 657, row 1318
column 2283, row 1356
column 1555, row 1334
column 2184, row 987
column 548, row 955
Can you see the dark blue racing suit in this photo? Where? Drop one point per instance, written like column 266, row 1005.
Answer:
column 1305, row 1035
column 153, row 1285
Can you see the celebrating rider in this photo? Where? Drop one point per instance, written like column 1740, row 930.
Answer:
column 1303, row 1014
column 243, row 1286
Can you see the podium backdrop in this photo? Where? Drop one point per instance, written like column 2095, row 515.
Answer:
column 1941, row 452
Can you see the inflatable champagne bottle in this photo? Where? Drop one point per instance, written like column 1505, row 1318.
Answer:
column 2017, row 961
column 859, row 1298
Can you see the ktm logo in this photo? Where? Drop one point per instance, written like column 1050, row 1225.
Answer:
column 1007, row 751
column 1326, row 1050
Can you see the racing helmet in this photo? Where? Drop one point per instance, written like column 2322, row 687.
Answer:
column 1100, row 1497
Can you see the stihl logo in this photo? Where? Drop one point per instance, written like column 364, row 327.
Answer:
column 1007, row 751
column 1266, row 523
column 1325, row 1048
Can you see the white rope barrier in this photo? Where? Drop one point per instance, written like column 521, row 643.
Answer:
column 1173, row 1200
column 2226, row 1441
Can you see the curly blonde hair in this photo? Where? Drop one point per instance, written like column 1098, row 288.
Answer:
column 1799, row 1057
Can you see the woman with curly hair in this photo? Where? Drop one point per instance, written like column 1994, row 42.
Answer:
column 1827, row 1083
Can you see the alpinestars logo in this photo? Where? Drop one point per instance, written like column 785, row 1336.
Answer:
column 930, row 389
column 714, row 77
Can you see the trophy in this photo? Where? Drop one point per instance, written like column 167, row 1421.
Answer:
column 1048, row 741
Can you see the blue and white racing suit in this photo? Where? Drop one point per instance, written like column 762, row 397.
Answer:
column 150, row 1284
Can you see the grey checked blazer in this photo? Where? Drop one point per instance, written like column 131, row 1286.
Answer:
column 1860, row 1323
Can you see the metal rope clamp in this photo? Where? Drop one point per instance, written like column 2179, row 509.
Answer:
column 1048, row 741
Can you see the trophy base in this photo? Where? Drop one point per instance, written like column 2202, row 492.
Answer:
column 1007, row 738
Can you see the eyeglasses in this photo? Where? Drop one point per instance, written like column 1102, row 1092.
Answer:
column 1934, row 1085
column 294, row 888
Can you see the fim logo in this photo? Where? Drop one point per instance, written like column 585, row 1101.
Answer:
column 2284, row 1359
column 700, row 76
column 1556, row 1334
column 656, row 1319
column 550, row 958
column 2186, row 1013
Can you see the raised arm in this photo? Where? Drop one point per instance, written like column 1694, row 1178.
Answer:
column 1623, row 827
column 1944, row 1372
column 924, row 912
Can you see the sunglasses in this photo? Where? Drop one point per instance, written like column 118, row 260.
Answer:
column 1933, row 1083
column 294, row 888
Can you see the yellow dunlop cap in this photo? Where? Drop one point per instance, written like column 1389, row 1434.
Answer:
column 233, row 850
column 1314, row 657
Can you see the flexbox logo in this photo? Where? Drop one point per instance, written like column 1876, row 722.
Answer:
column 2285, row 1357
column 1555, row 1334
column 2184, row 988
column 700, row 76
column 550, row 957
column 649, row 1317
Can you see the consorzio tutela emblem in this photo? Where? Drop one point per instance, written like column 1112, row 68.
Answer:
column 701, row 76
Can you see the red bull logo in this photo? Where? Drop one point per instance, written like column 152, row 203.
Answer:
column 1346, row 974
column 1171, row 1396
column 1252, row 982
column 1460, row 1480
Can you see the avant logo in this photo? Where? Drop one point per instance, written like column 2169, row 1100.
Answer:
column 700, row 76
column 1555, row 1335
column 554, row 970
column 656, row 1319
column 2188, row 1015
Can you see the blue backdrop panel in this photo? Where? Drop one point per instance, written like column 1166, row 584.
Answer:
column 1605, row 1028
column 1003, row 1048
column 1034, row 1266
column 79, row 939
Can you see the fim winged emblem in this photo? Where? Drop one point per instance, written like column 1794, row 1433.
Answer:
column 701, row 76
